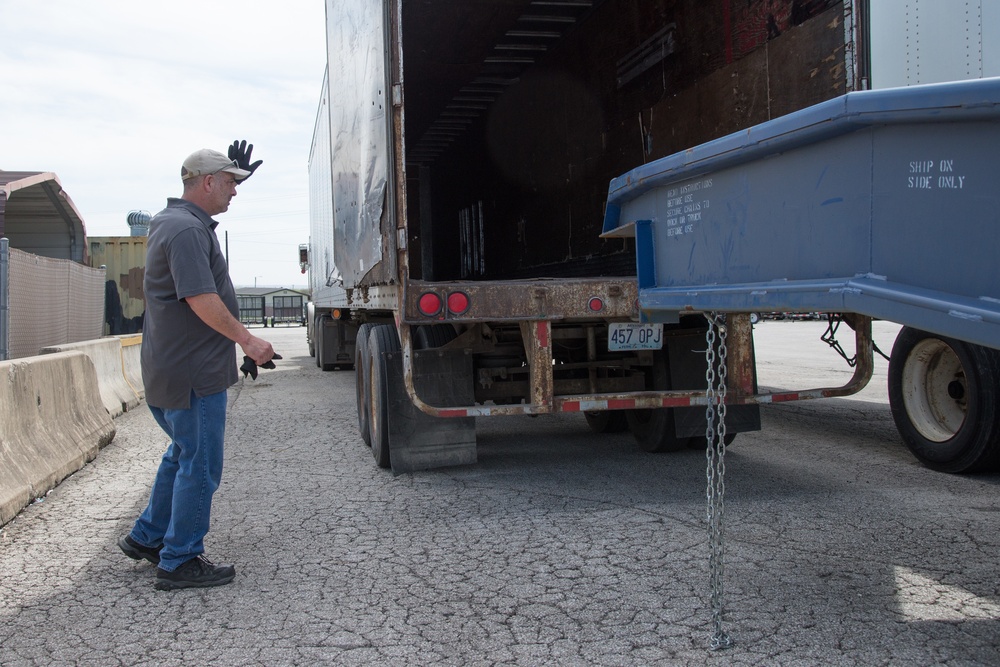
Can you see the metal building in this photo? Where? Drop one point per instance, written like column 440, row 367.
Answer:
column 39, row 217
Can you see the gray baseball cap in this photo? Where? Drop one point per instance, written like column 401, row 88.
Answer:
column 207, row 161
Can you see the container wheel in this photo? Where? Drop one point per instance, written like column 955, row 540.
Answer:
column 382, row 338
column 361, row 380
column 944, row 399
column 606, row 421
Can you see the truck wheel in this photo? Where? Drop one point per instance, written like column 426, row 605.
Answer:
column 606, row 421
column 309, row 321
column 317, row 341
column 362, row 378
column 321, row 360
column 944, row 398
column 429, row 336
column 383, row 338
column 654, row 429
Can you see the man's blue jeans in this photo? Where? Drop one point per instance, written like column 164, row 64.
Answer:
column 181, row 501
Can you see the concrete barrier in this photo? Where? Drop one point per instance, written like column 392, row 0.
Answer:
column 131, row 363
column 106, row 353
column 52, row 421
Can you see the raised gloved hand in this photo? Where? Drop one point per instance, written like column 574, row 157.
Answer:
column 240, row 151
column 249, row 366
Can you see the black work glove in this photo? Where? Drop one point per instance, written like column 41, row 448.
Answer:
column 249, row 366
column 240, row 152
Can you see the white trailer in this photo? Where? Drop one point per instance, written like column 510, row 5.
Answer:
column 330, row 337
column 929, row 41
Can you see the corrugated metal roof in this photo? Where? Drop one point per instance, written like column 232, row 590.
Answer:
column 39, row 217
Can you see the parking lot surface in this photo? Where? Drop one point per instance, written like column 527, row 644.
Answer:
column 559, row 547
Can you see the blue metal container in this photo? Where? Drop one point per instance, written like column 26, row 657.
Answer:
column 884, row 203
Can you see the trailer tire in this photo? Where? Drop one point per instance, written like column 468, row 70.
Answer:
column 316, row 343
column 606, row 421
column 362, row 379
column 321, row 360
column 654, row 429
column 319, row 342
column 383, row 338
column 429, row 336
column 309, row 321
column 944, row 395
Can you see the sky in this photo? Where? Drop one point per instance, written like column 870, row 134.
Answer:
column 112, row 95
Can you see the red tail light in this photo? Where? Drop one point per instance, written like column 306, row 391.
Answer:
column 458, row 303
column 429, row 304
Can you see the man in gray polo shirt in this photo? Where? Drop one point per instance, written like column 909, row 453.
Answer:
column 188, row 363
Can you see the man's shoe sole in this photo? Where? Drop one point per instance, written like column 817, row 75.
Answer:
column 170, row 584
column 136, row 554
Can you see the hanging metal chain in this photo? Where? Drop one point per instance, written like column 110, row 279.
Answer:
column 830, row 338
column 715, row 434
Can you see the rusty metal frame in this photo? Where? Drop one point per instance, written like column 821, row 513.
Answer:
column 512, row 301
column 739, row 369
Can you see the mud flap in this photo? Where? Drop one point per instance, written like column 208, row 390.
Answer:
column 690, row 422
column 418, row 441
column 337, row 340
column 687, row 371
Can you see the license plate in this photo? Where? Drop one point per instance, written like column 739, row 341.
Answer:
column 632, row 336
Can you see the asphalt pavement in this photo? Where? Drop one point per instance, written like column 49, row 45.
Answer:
column 559, row 547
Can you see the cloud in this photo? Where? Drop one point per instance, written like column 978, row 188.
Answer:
column 112, row 96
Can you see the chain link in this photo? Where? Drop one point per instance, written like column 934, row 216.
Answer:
column 715, row 434
column 830, row 338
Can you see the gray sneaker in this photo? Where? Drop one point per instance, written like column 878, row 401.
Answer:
column 198, row 572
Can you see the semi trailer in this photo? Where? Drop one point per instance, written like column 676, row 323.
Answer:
column 462, row 255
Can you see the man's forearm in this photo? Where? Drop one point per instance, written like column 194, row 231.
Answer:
column 213, row 312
